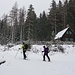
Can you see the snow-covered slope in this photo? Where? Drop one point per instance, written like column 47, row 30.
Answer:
column 61, row 63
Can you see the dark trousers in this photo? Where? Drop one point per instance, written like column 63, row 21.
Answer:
column 46, row 54
column 24, row 55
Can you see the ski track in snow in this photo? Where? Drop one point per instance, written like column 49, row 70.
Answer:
column 61, row 64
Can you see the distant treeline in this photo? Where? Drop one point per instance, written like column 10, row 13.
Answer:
column 21, row 25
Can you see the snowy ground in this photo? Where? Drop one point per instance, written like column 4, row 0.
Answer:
column 61, row 64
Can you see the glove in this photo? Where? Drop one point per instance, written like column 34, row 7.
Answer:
column 19, row 48
column 42, row 51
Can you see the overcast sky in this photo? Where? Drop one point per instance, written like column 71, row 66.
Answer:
column 39, row 5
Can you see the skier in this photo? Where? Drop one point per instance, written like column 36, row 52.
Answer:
column 45, row 53
column 24, row 47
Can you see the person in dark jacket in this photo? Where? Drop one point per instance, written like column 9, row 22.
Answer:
column 46, row 53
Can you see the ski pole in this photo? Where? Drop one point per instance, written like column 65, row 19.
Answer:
column 16, row 53
column 42, row 52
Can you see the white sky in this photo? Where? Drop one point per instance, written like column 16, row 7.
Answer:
column 39, row 5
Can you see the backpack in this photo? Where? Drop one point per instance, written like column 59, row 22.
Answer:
column 26, row 46
column 47, row 49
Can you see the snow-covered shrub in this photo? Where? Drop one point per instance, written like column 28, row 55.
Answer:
column 10, row 45
column 61, row 49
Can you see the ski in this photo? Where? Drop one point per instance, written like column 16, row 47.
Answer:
column 26, row 59
column 1, row 62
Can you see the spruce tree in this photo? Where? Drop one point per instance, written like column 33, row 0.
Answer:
column 59, row 14
column 71, row 14
column 22, row 16
column 52, row 18
column 30, row 23
column 43, row 30
column 14, row 18
column 65, row 12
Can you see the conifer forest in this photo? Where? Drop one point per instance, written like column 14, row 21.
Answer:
column 21, row 24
